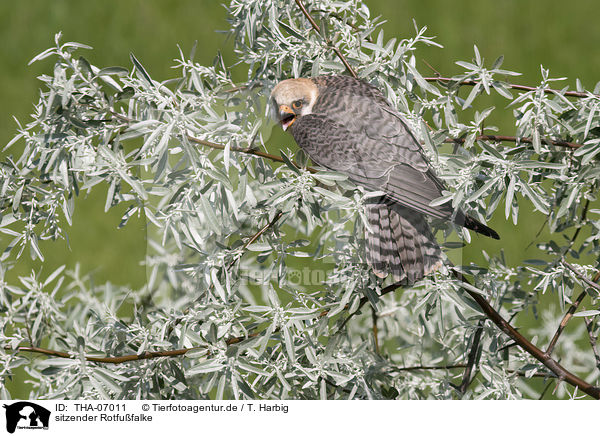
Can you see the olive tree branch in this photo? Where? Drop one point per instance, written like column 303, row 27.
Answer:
column 515, row 139
column 316, row 27
column 576, row 94
column 560, row 372
column 593, row 340
column 473, row 358
column 258, row 234
column 563, row 323
column 574, row 306
column 550, row 363
column 524, row 343
column 592, row 283
column 569, row 314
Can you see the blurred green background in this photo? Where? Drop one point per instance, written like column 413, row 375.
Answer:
column 554, row 33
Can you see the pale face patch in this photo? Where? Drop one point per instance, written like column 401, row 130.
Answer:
column 286, row 95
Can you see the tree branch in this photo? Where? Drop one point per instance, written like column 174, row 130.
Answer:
column 593, row 340
column 567, row 317
column 516, row 139
column 250, row 151
column 113, row 360
column 375, row 330
column 472, row 360
column 316, row 27
column 545, row 359
column 576, row 94
column 258, row 234
column 563, row 323
column 587, row 281
column 210, row 144
column 524, row 343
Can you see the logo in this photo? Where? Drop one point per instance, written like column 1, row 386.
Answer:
column 26, row 415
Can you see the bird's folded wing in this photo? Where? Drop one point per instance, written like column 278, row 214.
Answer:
column 373, row 160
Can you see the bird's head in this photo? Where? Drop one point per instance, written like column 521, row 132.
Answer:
column 293, row 98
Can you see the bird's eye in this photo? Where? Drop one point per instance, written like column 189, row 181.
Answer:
column 297, row 104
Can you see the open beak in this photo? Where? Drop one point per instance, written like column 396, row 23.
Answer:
column 286, row 116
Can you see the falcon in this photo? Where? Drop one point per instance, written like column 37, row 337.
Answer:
column 347, row 125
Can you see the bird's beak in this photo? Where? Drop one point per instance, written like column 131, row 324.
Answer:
column 286, row 116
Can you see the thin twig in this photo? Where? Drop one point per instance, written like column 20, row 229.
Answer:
column 583, row 216
column 437, row 73
column 318, row 30
column 593, row 340
column 128, row 357
column 526, row 345
column 251, row 151
column 563, row 323
column 472, row 360
column 113, row 360
column 515, row 139
column 548, row 386
column 567, row 317
column 430, row 368
column 266, row 227
column 375, row 331
column 515, row 86
column 216, row 146
column 258, row 234
column 587, row 281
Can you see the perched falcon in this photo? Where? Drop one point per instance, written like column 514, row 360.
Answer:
column 347, row 125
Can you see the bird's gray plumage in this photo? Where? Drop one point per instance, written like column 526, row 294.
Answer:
column 351, row 128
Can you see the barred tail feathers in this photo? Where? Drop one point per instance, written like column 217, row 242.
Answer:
column 400, row 243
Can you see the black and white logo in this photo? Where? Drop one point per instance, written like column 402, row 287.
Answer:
column 26, row 415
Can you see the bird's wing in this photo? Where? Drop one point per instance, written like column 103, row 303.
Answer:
column 377, row 151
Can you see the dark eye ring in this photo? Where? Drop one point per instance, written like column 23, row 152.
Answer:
column 297, row 104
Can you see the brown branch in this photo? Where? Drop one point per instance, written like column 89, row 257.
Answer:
column 430, row 367
column 267, row 226
column 583, row 216
column 514, row 86
column 210, row 144
column 316, row 27
column 472, row 360
column 258, row 234
column 375, row 331
column 251, row 151
column 593, row 340
column 564, row 322
column 113, row 360
column 548, row 386
column 516, row 139
column 128, row 357
column 587, row 281
column 526, row 345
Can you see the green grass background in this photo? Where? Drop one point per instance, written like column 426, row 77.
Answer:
column 554, row 33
